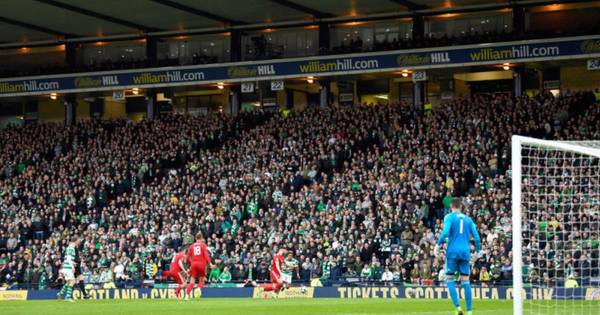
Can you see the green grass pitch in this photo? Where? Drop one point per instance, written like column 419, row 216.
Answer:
column 275, row 307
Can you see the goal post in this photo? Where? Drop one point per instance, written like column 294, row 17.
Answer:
column 555, row 191
column 516, row 225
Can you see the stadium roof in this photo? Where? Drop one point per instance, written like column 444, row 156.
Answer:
column 39, row 21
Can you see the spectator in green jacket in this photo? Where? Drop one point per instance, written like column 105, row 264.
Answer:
column 215, row 275
column 366, row 272
column 225, row 276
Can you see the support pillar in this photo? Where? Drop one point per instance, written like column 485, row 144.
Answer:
column 234, row 100
column 151, row 51
column 418, row 31
column 152, row 106
column 324, row 39
column 71, row 54
column 235, row 46
column 69, row 109
column 518, row 82
column 418, row 95
column 289, row 98
column 519, row 20
column 324, row 93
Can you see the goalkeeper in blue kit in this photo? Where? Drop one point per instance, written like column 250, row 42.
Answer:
column 458, row 229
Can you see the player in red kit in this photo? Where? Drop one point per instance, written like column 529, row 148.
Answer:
column 198, row 257
column 275, row 273
column 177, row 271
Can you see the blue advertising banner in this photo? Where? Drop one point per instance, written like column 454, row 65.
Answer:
column 418, row 292
column 143, row 293
column 483, row 293
column 535, row 50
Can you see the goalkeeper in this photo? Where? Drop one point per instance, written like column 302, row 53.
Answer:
column 459, row 228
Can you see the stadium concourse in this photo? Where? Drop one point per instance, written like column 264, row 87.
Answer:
column 354, row 192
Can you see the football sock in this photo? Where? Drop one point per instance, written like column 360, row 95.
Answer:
column 63, row 290
column 468, row 296
column 81, row 286
column 69, row 292
column 189, row 288
column 453, row 293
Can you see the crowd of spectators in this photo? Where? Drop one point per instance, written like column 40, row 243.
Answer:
column 356, row 193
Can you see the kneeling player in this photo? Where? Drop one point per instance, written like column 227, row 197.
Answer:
column 276, row 268
column 178, row 272
column 198, row 257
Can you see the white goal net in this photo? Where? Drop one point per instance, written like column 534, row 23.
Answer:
column 556, row 226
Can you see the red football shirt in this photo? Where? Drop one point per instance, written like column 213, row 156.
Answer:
column 175, row 263
column 277, row 260
column 198, row 253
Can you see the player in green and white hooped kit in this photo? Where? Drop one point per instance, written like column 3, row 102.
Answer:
column 68, row 271
column 290, row 265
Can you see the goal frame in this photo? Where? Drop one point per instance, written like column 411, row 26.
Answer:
column 516, row 178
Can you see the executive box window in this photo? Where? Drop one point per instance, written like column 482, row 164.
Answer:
column 576, row 18
column 362, row 36
column 278, row 43
column 112, row 52
column 465, row 24
column 21, row 61
column 199, row 49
